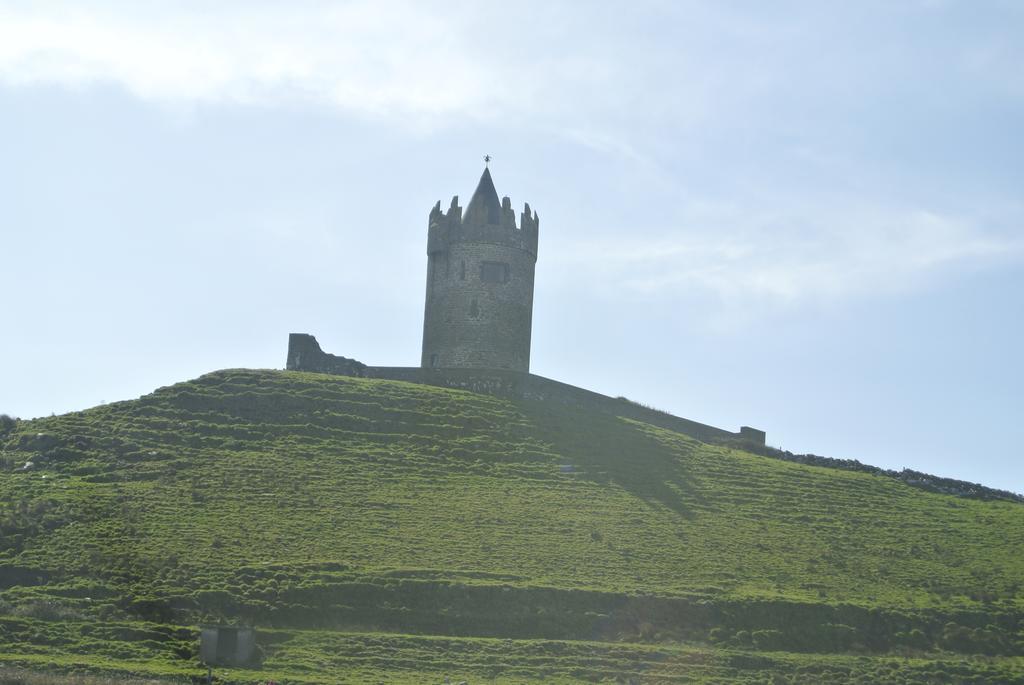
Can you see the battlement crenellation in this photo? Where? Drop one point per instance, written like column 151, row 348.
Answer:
column 445, row 228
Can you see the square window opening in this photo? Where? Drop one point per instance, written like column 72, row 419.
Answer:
column 494, row 272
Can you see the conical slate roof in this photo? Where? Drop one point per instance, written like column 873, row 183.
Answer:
column 484, row 207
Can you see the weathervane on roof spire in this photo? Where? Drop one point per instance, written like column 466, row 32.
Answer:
column 487, row 160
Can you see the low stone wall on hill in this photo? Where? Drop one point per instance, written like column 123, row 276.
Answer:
column 305, row 354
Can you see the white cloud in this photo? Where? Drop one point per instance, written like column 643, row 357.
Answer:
column 644, row 87
column 594, row 71
column 389, row 57
column 571, row 67
column 755, row 261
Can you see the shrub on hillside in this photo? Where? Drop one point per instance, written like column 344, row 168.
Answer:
column 768, row 639
column 7, row 424
column 837, row 637
column 989, row 640
column 742, row 638
column 915, row 638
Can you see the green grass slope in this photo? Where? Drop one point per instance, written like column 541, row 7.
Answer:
column 403, row 533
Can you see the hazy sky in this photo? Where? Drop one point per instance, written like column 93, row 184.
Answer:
column 800, row 216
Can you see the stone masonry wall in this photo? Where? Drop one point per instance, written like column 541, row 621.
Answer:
column 304, row 354
column 518, row 385
column 469, row 322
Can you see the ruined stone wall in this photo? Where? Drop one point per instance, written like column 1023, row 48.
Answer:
column 518, row 385
column 304, row 354
column 498, row 382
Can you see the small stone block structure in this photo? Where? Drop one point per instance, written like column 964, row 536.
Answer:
column 227, row 646
column 752, row 435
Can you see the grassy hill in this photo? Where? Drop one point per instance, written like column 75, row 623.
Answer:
column 388, row 532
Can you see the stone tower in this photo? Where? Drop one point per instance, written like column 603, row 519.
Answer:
column 479, row 305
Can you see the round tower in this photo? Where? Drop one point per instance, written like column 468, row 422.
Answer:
column 479, row 304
